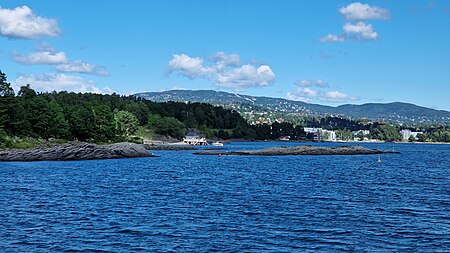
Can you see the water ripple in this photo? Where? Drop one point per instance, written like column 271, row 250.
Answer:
column 185, row 203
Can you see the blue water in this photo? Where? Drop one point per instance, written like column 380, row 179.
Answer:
column 180, row 202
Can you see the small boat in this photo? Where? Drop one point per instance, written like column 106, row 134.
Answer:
column 217, row 144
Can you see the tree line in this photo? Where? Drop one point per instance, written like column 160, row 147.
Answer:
column 100, row 118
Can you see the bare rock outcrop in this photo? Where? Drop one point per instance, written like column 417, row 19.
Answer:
column 301, row 150
column 75, row 151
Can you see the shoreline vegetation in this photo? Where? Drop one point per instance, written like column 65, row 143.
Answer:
column 31, row 119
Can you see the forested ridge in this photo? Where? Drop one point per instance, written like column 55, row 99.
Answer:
column 28, row 118
column 64, row 116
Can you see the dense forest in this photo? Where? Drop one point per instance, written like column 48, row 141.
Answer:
column 29, row 118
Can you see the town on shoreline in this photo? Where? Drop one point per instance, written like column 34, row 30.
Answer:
column 29, row 119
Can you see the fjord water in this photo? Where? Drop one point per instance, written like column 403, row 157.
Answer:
column 181, row 202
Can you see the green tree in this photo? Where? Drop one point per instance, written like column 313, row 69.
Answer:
column 81, row 122
column 386, row 133
column 6, row 101
column 140, row 110
column 190, row 121
column 263, row 131
column 59, row 126
column 40, row 117
column 222, row 134
column 5, row 142
column 5, row 87
column 26, row 92
column 19, row 124
column 299, row 133
column 104, row 124
column 422, row 137
column 126, row 122
column 167, row 126
column 344, row 135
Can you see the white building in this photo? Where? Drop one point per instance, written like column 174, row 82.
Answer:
column 406, row 134
column 329, row 135
column 315, row 131
column 363, row 132
column 321, row 134
column 194, row 139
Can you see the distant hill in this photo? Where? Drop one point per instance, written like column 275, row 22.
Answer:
column 397, row 112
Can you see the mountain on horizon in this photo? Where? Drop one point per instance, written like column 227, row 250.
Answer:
column 396, row 112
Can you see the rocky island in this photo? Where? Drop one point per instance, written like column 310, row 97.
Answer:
column 75, row 151
column 169, row 147
column 302, row 150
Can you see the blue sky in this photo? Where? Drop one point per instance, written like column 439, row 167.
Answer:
column 327, row 52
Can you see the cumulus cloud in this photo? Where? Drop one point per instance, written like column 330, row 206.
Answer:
column 337, row 96
column 246, row 76
column 174, row 88
column 42, row 57
column 223, row 60
column 311, row 83
column 191, row 67
column 359, row 11
column 48, row 55
column 332, row 38
column 21, row 22
column 317, row 91
column 303, row 94
column 360, row 30
column 295, row 96
column 59, row 82
column 310, row 95
column 83, row 68
column 225, row 70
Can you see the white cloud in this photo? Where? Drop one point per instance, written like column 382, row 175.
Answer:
column 311, row 83
column 338, row 96
column 44, row 46
column 303, row 94
column 22, row 23
column 223, row 60
column 246, row 76
column 58, row 82
column 225, row 70
column 83, row 68
column 359, row 11
column 191, row 67
column 43, row 57
column 173, row 88
column 308, row 92
column 48, row 55
column 297, row 97
column 360, row 31
column 332, row 38
column 310, row 95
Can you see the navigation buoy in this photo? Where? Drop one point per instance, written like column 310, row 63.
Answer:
column 379, row 158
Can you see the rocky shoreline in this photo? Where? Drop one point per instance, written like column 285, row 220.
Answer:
column 168, row 147
column 302, row 150
column 75, row 151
